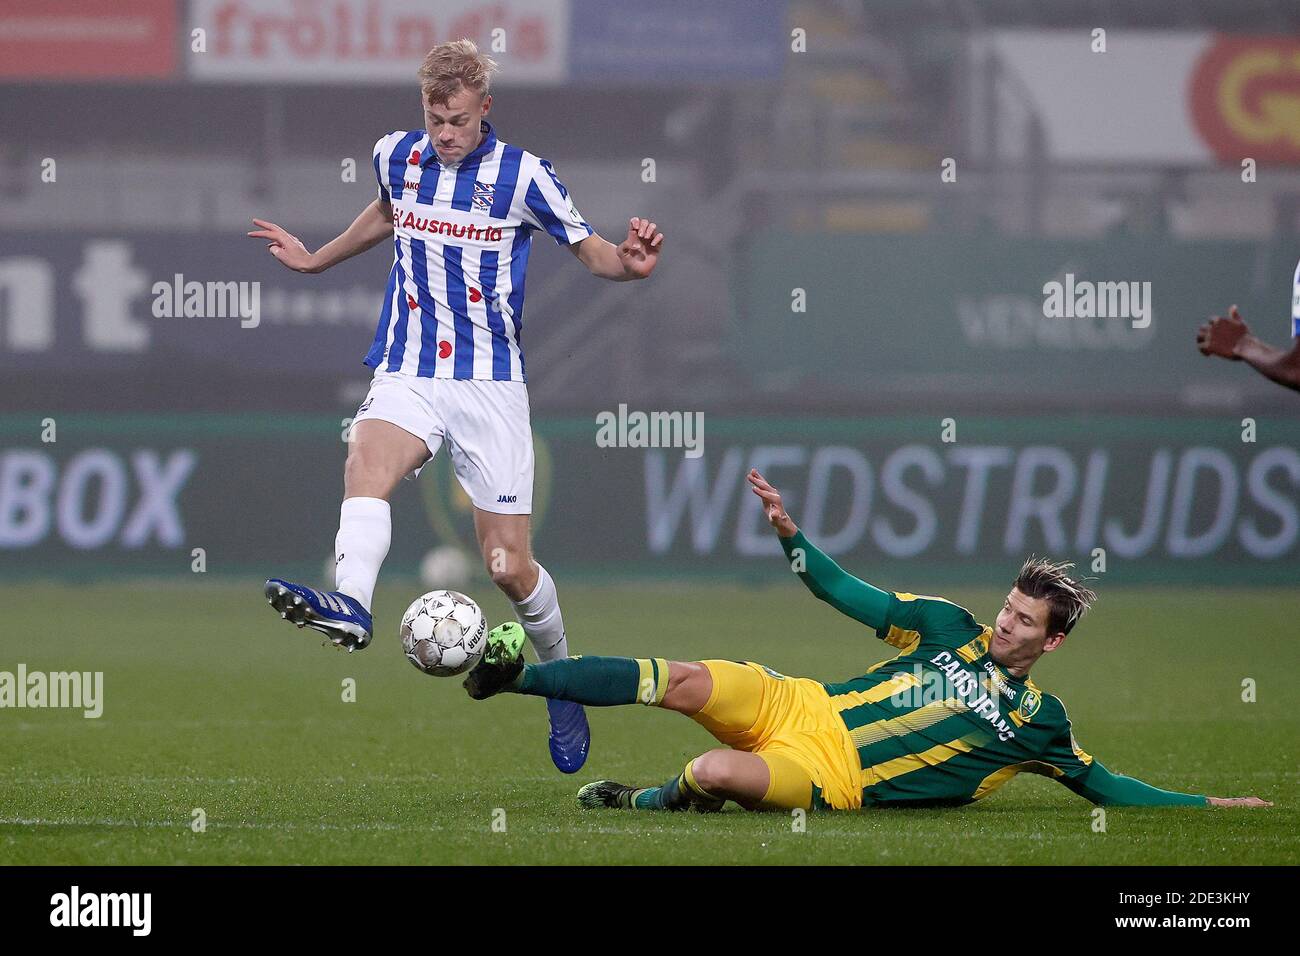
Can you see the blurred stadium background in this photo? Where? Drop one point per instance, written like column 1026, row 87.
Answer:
column 775, row 169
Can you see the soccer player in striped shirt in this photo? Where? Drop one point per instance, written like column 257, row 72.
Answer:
column 948, row 721
column 460, row 207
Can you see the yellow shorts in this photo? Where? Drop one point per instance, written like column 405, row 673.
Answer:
column 785, row 720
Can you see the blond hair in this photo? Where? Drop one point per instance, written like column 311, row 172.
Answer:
column 452, row 65
column 1067, row 598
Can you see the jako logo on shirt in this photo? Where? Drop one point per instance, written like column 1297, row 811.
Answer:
column 506, row 499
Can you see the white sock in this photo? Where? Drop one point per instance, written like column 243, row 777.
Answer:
column 365, row 530
column 539, row 613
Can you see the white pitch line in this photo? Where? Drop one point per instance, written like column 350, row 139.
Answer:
column 253, row 825
column 634, row 832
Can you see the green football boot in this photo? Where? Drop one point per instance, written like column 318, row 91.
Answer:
column 605, row 794
column 501, row 664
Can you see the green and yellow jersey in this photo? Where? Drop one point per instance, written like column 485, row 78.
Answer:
column 942, row 723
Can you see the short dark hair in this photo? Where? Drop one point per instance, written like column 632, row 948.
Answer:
column 1067, row 599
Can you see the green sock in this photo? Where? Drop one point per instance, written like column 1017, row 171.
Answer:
column 669, row 796
column 596, row 681
column 679, row 793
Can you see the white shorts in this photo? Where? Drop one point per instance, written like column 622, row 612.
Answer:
column 485, row 424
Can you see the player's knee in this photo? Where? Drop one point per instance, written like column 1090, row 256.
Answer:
column 689, row 687
column 686, row 677
column 509, row 570
column 362, row 466
column 715, row 771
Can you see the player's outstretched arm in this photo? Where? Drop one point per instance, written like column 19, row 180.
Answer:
column 634, row 258
column 1108, row 789
column 826, row 579
column 1229, row 337
column 373, row 226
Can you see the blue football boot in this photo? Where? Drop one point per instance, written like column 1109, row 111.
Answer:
column 336, row 615
column 570, row 735
column 502, row 662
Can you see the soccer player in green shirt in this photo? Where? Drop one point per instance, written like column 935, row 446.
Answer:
column 947, row 721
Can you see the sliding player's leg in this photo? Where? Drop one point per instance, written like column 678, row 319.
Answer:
column 756, row 781
column 724, row 697
column 594, row 681
column 706, row 783
column 728, row 699
column 380, row 453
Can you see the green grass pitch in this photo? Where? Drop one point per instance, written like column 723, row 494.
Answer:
column 211, row 702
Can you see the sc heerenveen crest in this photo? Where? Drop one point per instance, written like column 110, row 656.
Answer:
column 483, row 194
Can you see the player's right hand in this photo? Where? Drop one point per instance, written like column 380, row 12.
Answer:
column 284, row 246
column 1220, row 335
column 1237, row 802
column 772, row 506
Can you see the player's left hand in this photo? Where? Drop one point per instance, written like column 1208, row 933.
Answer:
column 282, row 244
column 1238, row 802
column 773, row 507
column 1220, row 335
column 639, row 252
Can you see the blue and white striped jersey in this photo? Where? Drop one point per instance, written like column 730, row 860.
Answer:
column 454, row 307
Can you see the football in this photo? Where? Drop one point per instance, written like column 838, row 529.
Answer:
column 443, row 633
